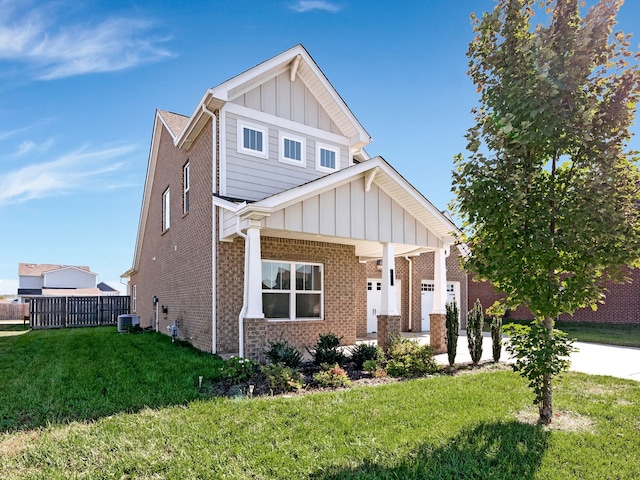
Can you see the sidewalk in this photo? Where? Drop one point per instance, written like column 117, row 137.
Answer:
column 591, row 358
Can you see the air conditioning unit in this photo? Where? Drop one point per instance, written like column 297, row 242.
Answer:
column 126, row 321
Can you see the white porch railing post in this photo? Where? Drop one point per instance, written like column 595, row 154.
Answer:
column 254, row 274
column 388, row 304
column 440, row 281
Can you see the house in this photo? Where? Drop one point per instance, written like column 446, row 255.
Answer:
column 621, row 302
column 263, row 218
column 39, row 279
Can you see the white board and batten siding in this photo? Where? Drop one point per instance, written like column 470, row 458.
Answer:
column 348, row 211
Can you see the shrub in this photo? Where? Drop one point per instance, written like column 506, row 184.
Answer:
column 538, row 354
column 326, row 350
column 374, row 368
column 364, row 352
column 496, row 312
column 407, row 358
column 237, row 369
column 475, row 322
column 332, row 376
column 453, row 328
column 284, row 353
column 282, row 378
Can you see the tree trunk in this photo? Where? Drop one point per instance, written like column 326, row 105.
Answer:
column 546, row 408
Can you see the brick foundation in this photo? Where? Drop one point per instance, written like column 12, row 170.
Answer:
column 437, row 332
column 255, row 338
column 388, row 326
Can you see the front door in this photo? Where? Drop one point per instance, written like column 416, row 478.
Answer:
column 374, row 301
column 426, row 293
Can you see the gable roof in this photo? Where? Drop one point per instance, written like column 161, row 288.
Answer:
column 375, row 171
column 39, row 269
column 174, row 122
column 298, row 61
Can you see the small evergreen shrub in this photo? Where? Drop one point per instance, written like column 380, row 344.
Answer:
column 326, row 350
column 453, row 328
column 475, row 322
column 237, row 369
column 364, row 352
column 284, row 353
column 496, row 312
column 374, row 368
column 407, row 358
column 282, row 378
column 332, row 376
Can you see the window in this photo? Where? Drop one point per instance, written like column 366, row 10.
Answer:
column 428, row 287
column 134, row 298
column 186, row 181
column 292, row 150
column 166, row 213
column 252, row 140
column 327, row 158
column 292, row 290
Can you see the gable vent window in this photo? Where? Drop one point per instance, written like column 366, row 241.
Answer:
column 252, row 140
column 186, row 174
column 292, row 150
column 327, row 158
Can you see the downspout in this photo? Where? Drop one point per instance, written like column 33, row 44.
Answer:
column 408, row 259
column 214, row 237
column 245, row 290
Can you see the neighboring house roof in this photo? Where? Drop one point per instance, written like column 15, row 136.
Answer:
column 39, row 269
column 103, row 287
column 71, row 292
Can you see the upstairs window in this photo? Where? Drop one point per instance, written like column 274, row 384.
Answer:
column 186, row 180
column 166, row 210
column 252, row 140
column 327, row 158
column 292, row 149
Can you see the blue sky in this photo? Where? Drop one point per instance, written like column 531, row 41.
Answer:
column 80, row 82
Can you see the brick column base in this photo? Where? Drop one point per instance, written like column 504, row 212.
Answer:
column 255, row 338
column 388, row 326
column 437, row 332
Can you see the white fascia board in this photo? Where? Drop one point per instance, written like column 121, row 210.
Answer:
column 68, row 267
column 146, row 196
column 227, row 205
column 193, row 121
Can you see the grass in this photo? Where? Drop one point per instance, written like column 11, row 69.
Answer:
column 471, row 426
column 627, row 335
column 54, row 376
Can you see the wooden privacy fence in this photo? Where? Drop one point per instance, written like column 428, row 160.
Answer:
column 14, row 311
column 61, row 312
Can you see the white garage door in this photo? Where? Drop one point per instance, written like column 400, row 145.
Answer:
column 374, row 301
column 426, row 293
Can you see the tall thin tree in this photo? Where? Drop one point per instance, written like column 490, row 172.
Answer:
column 548, row 195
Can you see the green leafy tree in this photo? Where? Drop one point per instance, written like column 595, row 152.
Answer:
column 548, row 195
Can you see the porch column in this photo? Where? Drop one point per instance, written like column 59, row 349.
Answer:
column 437, row 322
column 253, row 273
column 388, row 320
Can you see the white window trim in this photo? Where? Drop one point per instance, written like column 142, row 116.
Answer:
column 134, row 298
column 166, row 210
column 331, row 148
column 264, row 153
column 186, row 184
column 303, row 149
column 292, row 292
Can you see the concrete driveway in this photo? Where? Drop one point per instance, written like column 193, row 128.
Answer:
column 592, row 358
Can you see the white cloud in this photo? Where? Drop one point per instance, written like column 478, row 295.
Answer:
column 303, row 6
column 78, row 170
column 27, row 146
column 55, row 52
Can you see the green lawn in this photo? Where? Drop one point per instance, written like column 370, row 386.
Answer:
column 471, row 426
column 627, row 335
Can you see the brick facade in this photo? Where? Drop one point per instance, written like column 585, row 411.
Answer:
column 175, row 265
column 621, row 303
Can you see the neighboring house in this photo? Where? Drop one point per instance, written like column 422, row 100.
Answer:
column 621, row 303
column 264, row 218
column 37, row 279
column 107, row 290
